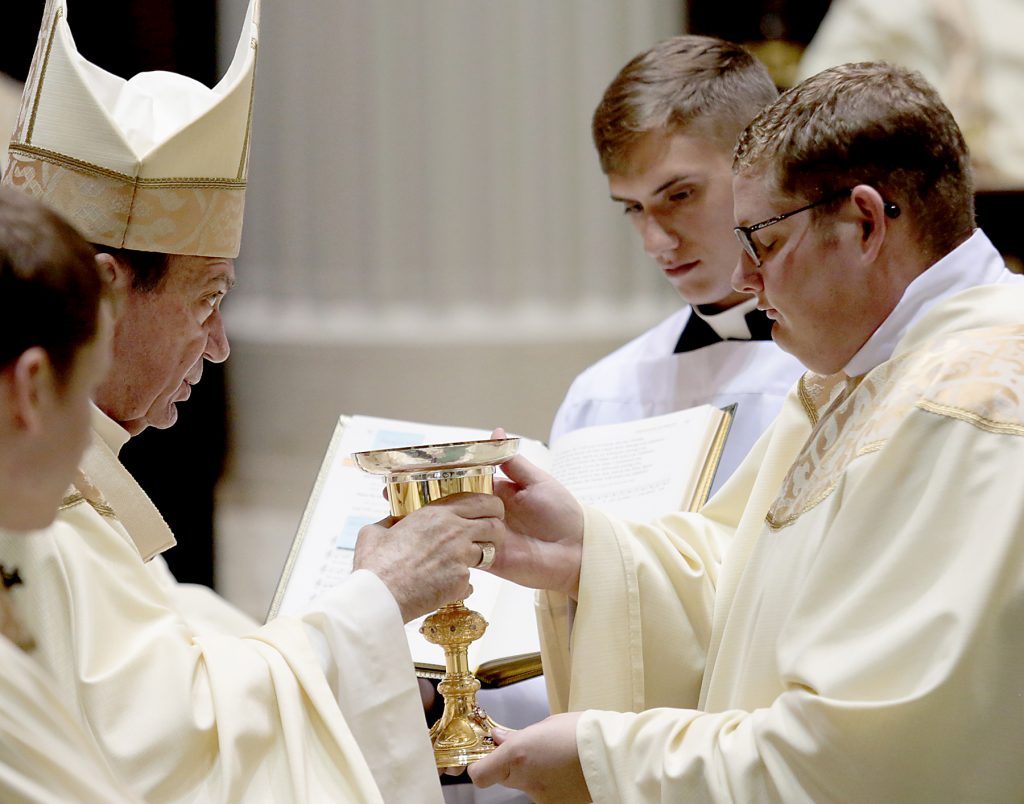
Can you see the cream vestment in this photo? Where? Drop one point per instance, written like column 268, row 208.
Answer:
column 843, row 621
column 187, row 698
column 45, row 755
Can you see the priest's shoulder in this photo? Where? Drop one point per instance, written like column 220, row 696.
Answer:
column 976, row 375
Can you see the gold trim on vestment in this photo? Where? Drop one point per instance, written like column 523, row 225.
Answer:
column 807, row 400
column 976, row 377
column 979, row 421
column 78, row 498
column 779, row 524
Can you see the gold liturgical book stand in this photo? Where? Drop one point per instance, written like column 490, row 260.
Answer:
column 416, row 476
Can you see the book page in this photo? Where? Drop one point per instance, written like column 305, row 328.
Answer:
column 346, row 498
column 638, row 469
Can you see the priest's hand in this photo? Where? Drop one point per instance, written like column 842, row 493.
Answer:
column 541, row 760
column 543, row 543
column 423, row 558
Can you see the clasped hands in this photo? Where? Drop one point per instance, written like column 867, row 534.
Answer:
column 534, row 524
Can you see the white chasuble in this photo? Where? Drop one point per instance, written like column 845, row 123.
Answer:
column 859, row 603
column 191, row 701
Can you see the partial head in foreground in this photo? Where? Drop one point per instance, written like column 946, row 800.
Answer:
column 846, row 189
column 54, row 351
column 664, row 132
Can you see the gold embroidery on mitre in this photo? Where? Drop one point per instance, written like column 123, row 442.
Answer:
column 172, row 216
column 979, row 421
column 243, row 163
column 83, row 166
column 42, row 74
column 976, row 377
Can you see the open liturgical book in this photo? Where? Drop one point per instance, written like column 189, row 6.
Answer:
column 633, row 470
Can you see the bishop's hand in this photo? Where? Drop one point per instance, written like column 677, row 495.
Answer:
column 424, row 558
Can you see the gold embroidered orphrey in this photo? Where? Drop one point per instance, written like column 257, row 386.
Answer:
column 84, row 491
column 976, row 376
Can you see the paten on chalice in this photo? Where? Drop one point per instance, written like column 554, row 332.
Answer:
column 416, row 476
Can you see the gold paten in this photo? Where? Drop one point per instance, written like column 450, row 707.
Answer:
column 416, row 476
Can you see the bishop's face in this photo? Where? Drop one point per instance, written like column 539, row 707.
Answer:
column 162, row 338
column 677, row 193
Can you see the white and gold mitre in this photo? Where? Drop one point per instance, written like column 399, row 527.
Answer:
column 154, row 163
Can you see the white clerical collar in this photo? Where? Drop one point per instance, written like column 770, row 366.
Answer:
column 113, row 434
column 730, row 324
column 974, row 262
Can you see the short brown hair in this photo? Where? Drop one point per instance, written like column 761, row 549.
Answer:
column 50, row 286
column 680, row 82
column 868, row 123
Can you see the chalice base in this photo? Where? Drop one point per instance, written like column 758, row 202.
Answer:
column 462, row 736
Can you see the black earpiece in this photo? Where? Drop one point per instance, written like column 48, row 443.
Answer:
column 891, row 210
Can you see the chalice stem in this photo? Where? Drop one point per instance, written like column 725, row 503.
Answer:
column 464, row 733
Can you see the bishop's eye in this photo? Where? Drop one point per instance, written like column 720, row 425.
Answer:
column 631, row 209
column 207, row 304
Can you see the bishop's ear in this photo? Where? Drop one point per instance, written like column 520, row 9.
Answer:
column 118, row 277
column 31, row 389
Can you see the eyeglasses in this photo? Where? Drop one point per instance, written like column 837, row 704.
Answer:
column 743, row 233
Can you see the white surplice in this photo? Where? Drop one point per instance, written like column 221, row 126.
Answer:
column 842, row 621
column 645, row 378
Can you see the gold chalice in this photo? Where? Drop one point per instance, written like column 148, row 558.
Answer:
column 416, row 476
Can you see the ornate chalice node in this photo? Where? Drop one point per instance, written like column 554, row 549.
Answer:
column 416, row 476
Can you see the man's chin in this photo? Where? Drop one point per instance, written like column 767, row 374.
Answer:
column 703, row 293
column 166, row 418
